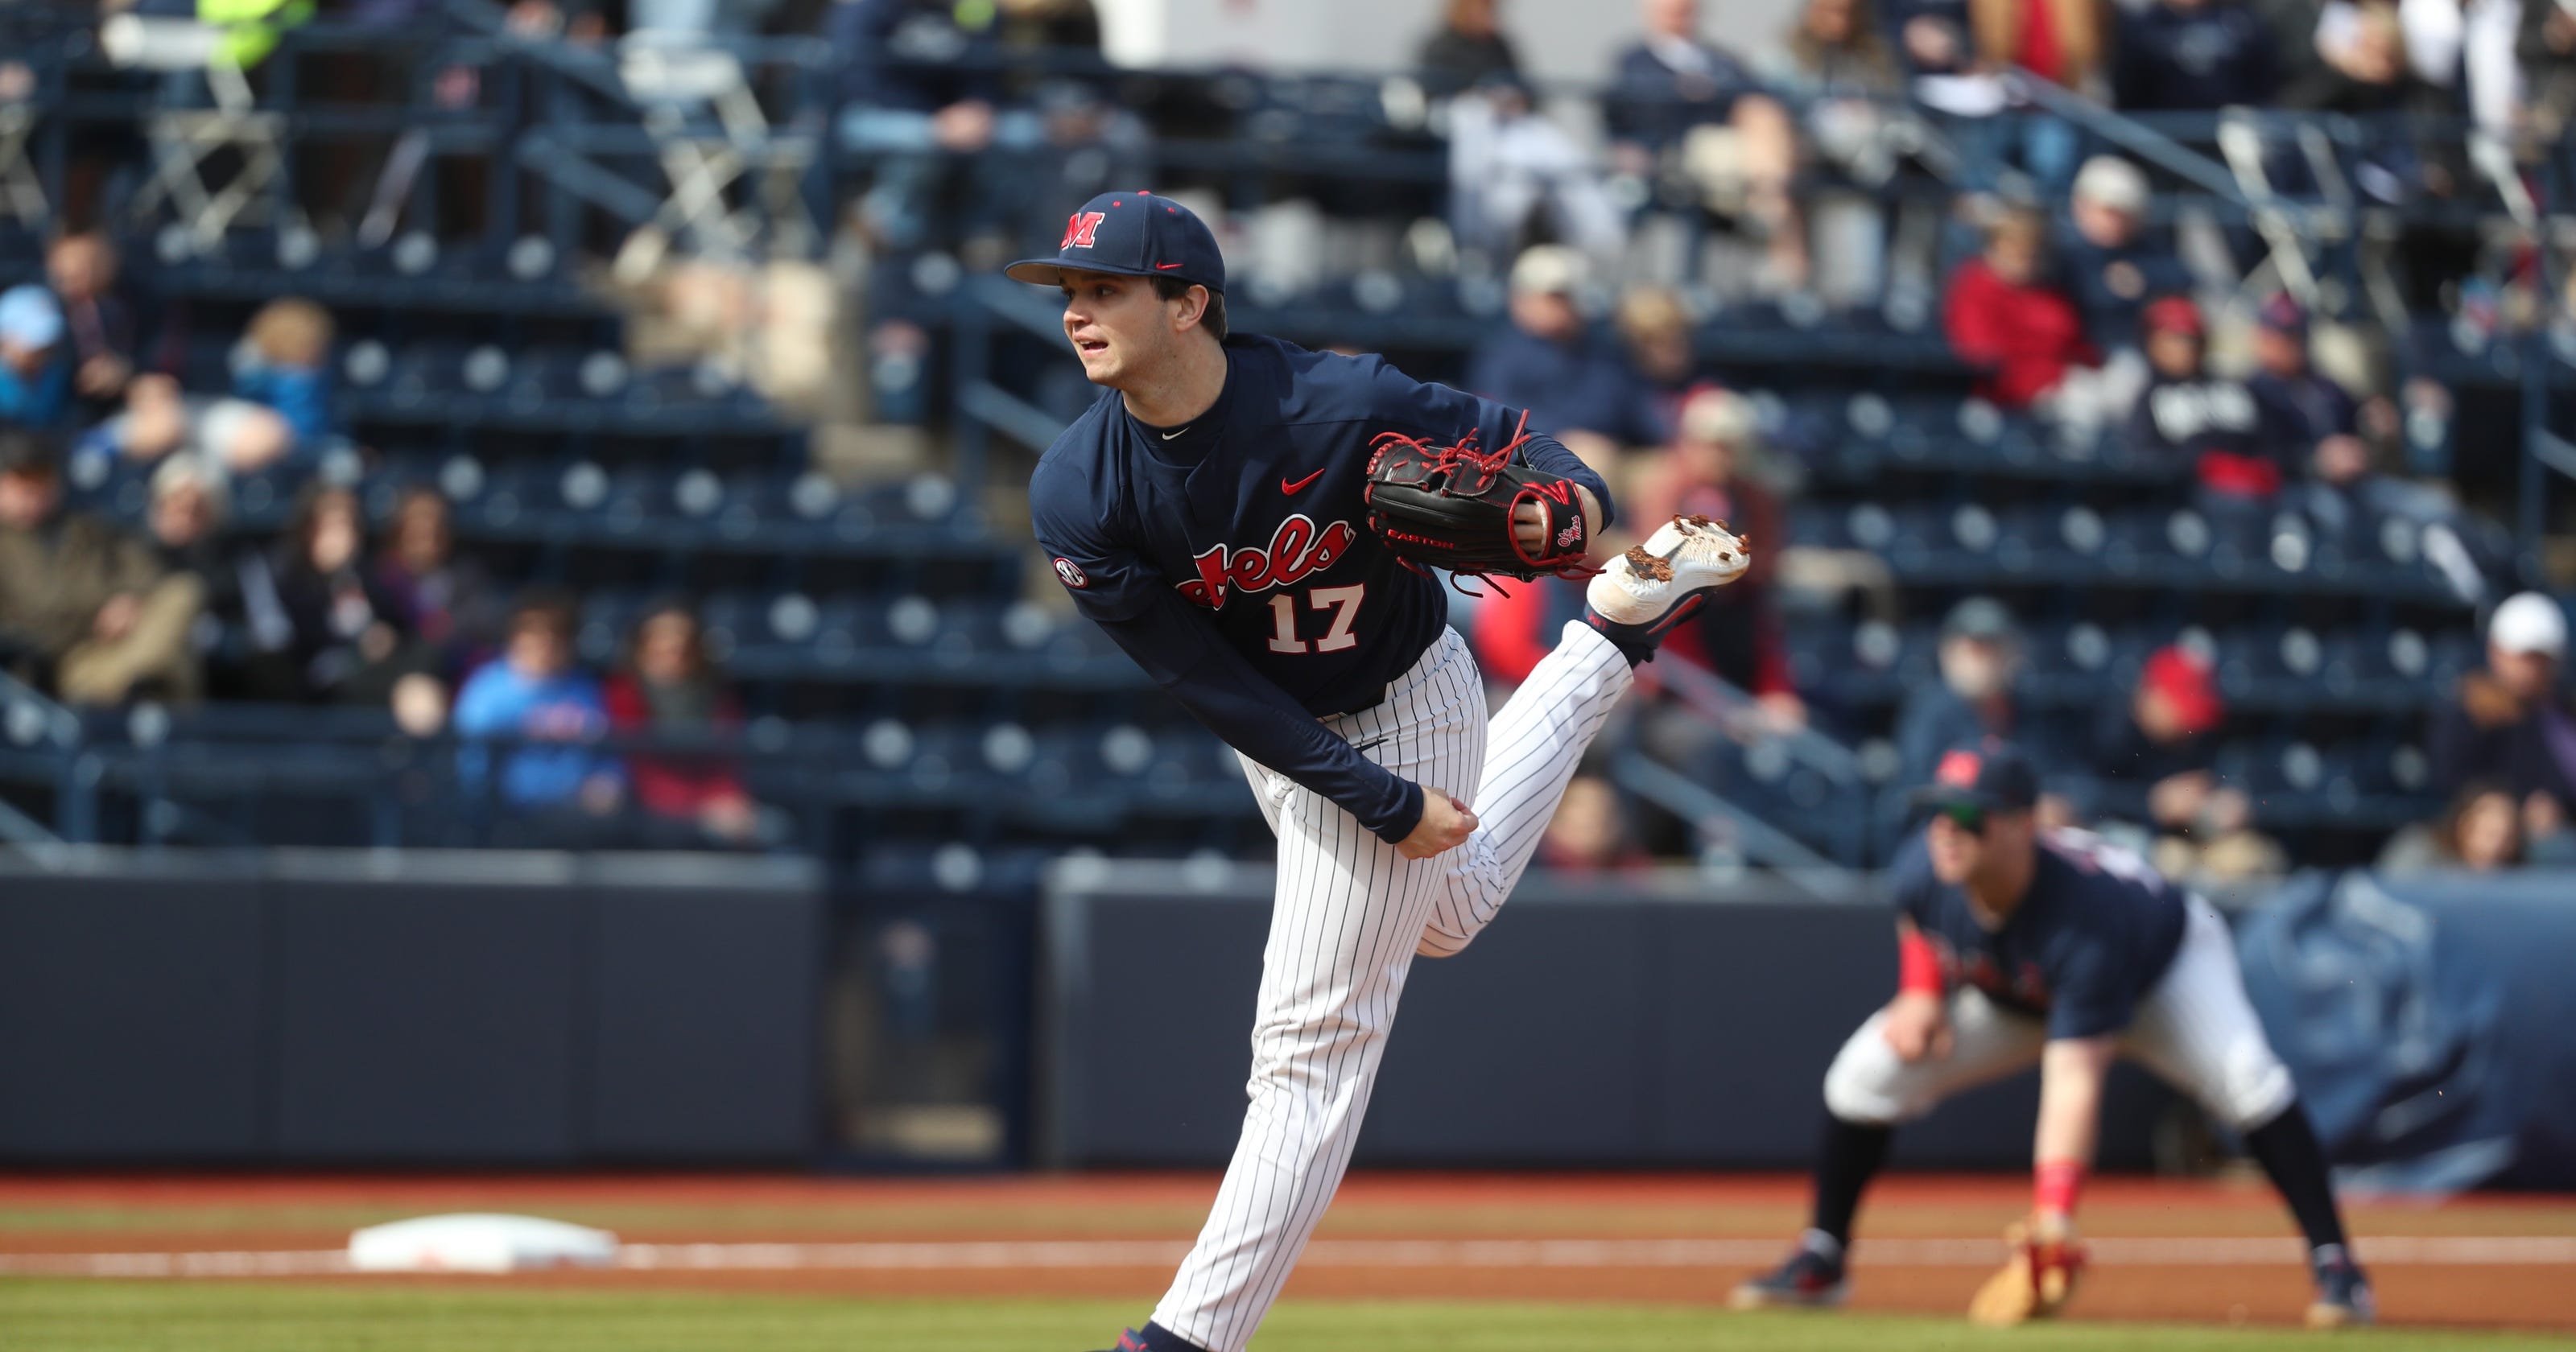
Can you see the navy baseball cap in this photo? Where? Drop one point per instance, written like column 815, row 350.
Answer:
column 1132, row 234
column 1989, row 776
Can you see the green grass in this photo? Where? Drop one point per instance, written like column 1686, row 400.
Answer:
column 97, row 1316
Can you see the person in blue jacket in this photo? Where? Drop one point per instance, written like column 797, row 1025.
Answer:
column 35, row 368
column 533, row 693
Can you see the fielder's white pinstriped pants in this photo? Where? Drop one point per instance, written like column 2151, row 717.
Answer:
column 1349, row 917
column 2196, row 1030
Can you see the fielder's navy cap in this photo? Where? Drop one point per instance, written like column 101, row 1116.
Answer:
column 1133, row 234
column 1989, row 776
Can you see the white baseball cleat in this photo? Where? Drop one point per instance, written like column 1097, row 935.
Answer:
column 1654, row 586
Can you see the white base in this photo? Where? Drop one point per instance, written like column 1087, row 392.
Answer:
column 472, row 1242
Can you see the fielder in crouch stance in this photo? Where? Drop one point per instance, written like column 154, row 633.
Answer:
column 2018, row 945
column 1209, row 514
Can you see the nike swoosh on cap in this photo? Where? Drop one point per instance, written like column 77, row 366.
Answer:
column 1165, row 267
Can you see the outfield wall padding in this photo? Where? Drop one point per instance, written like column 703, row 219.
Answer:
column 1606, row 1026
column 322, row 1009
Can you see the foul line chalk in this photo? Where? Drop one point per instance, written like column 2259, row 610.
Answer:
column 1484, row 1254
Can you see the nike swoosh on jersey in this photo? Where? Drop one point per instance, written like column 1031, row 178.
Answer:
column 1290, row 490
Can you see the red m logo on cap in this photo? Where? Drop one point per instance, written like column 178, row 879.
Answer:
column 1080, row 228
column 1959, row 769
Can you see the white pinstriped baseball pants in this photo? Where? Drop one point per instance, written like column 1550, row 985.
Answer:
column 1349, row 916
column 2196, row 1030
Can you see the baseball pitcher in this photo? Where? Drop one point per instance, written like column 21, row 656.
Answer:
column 1255, row 524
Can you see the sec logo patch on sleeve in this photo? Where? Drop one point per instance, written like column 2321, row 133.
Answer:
column 1071, row 575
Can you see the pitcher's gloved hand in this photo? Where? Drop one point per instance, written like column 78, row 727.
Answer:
column 1476, row 511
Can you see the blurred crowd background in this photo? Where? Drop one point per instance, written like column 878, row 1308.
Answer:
column 594, row 425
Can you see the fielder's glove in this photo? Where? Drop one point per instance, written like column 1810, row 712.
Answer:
column 1452, row 507
column 2036, row 1280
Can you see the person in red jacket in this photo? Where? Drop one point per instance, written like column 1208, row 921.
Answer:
column 2003, row 316
column 668, row 685
column 1737, row 633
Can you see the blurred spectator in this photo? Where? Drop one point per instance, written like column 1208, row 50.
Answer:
column 533, row 692
column 1662, row 349
column 2480, row 832
column 290, row 368
column 1589, row 833
column 668, row 686
column 1835, row 69
column 2415, row 145
column 445, row 600
column 1931, row 35
column 1981, row 666
column 2309, row 406
column 35, row 367
column 2294, row 35
column 2189, row 415
column 1514, row 626
column 85, row 597
column 1468, row 46
column 1836, row 47
column 2163, row 739
column 2162, row 735
column 579, row 21
column 2112, row 263
column 236, row 434
column 1060, row 96
column 1547, row 362
column 2464, row 48
column 2002, row 315
column 185, row 521
column 2193, row 56
column 1981, row 662
column 349, row 644
column 2545, row 47
column 923, row 81
column 2367, row 74
column 1680, row 99
column 2511, row 723
column 1055, row 29
column 1737, row 633
column 2060, row 41
column 2323, row 424
column 251, row 29
column 1053, row 47
column 1514, row 174
column 104, row 345
column 1671, row 83
column 189, row 506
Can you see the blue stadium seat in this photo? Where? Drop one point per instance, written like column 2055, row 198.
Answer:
column 2082, row 653
column 2139, row 543
column 423, row 371
column 608, row 616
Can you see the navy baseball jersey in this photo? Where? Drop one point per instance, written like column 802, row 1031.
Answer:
column 1248, row 525
column 2094, row 935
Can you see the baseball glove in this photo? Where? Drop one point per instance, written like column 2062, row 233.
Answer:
column 1452, row 507
column 2035, row 1281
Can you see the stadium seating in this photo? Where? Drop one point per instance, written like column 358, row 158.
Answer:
column 878, row 633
